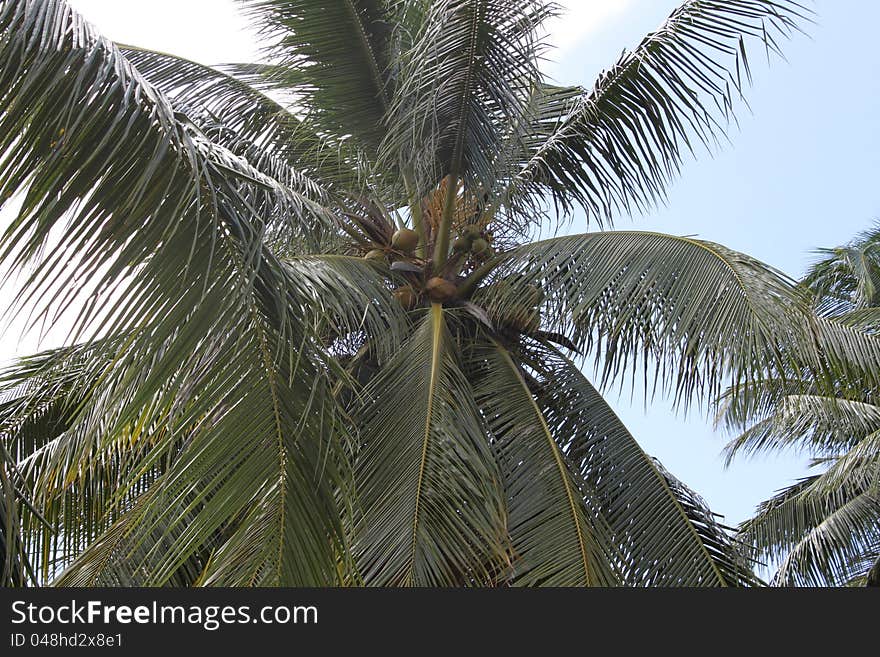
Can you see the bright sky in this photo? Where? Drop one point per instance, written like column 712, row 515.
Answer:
column 802, row 171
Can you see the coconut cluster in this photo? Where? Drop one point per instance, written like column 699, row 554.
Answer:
column 404, row 241
column 472, row 240
column 437, row 288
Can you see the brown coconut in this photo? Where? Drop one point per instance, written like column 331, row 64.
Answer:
column 440, row 290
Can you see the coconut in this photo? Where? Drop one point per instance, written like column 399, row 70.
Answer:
column 440, row 290
column 479, row 245
column 472, row 231
column 375, row 254
column 405, row 240
column 406, row 297
column 461, row 244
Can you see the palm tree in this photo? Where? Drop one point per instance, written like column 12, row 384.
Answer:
column 313, row 340
column 824, row 529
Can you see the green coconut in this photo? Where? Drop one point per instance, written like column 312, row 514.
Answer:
column 472, row 231
column 375, row 254
column 461, row 244
column 405, row 240
column 479, row 245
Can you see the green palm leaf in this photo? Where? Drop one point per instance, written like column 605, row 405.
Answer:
column 429, row 493
column 847, row 279
column 466, row 75
column 666, row 535
column 822, row 425
column 698, row 310
column 556, row 540
column 336, row 53
column 232, row 108
column 621, row 143
column 823, row 540
column 255, row 451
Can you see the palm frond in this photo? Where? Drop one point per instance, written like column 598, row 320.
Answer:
column 856, row 469
column 465, row 78
column 694, row 310
column 842, row 546
column 16, row 568
column 516, row 202
column 664, row 533
column 248, row 446
column 170, row 225
column 816, row 532
column 847, row 278
column 347, row 295
column 623, row 141
column 336, row 55
column 250, row 123
column 556, row 540
column 431, row 510
column 118, row 163
column 821, row 425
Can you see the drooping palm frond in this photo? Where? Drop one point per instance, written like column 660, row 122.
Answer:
column 820, row 539
column 664, row 533
column 820, row 425
column 132, row 452
column 431, row 511
column 694, row 310
column 241, row 117
column 250, row 442
column 622, row 142
column 348, row 295
column 216, row 337
column 516, row 201
column 70, row 477
column 557, row 540
column 118, row 162
column 841, row 547
column 847, row 278
column 823, row 530
column 242, row 425
column 16, row 568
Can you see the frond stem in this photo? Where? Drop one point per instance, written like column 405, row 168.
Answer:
column 476, row 277
column 415, row 208
column 441, row 243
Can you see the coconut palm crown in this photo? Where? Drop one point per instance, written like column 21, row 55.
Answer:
column 823, row 530
column 313, row 341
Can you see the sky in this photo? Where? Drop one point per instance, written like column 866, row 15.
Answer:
column 801, row 172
